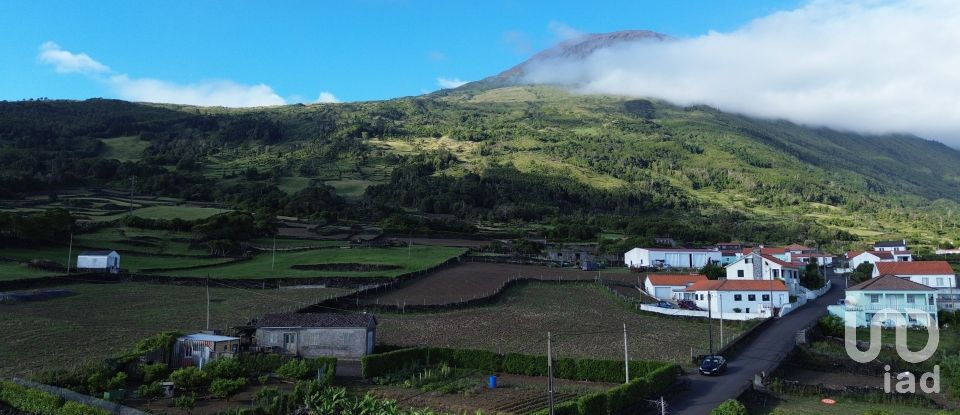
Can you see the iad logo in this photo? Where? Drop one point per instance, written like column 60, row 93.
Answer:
column 888, row 317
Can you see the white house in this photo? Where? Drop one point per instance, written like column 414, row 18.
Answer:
column 667, row 286
column 670, row 257
column 729, row 252
column 738, row 296
column 934, row 274
column 822, row 259
column 105, row 261
column 916, row 303
column 757, row 266
column 856, row 258
column 890, row 245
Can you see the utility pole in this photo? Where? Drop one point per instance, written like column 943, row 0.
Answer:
column 663, row 406
column 208, row 302
column 549, row 374
column 133, row 182
column 273, row 261
column 710, row 321
column 720, row 306
column 626, row 357
column 69, row 252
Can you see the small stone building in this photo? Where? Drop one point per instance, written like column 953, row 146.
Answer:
column 102, row 261
column 348, row 336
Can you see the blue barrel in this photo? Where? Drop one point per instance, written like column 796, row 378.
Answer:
column 492, row 382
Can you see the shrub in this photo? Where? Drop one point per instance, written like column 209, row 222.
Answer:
column 154, row 372
column 464, row 358
column 876, row 412
column 185, row 401
column 294, row 370
column 257, row 364
column 263, row 379
column 190, row 379
column 376, row 365
column 522, row 364
column 29, row 400
column 307, row 369
column 592, row 404
column 225, row 368
column 831, row 325
column 150, row 391
column 117, row 381
column 76, row 408
column 99, row 379
column 730, row 407
column 225, row 388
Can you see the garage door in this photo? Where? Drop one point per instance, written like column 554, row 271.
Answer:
column 663, row 293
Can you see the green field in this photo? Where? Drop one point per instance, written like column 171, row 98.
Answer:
column 286, row 243
column 129, row 239
column 102, row 320
column 175, row 212
column 12, row 270
column 124, row 148
column 417, row 258
column 132, row 262
column 350, row 188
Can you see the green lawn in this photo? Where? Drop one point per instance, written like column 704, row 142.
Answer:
column 293, row 184
column 350, row 188
column 102, row 320
column 417, row 258
column 796, row 405
column 124, row 148
column 282, row 243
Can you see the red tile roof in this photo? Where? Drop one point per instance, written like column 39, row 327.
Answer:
column 889, row 283
column 878, row 254
column 781, row 262
column 738, row 285
column 915, row 268
column 772, row 250
column 675, row 279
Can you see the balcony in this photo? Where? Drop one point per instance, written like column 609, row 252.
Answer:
column 901, row 307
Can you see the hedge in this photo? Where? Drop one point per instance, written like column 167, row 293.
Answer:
column 33, row 401
column 464, row 358
column 375, row 365
column 307, row 369
column 622, row 398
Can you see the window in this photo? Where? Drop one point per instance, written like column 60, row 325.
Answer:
column 739, row 273
column 748, row 261
column 930, row 300
column 910, row 299
column 925, row 281
column 752, row 297
column 748, row 309
column 765, row 297
column 939, row 281
column 874, row 298
column 776, row 273
column 737, row 297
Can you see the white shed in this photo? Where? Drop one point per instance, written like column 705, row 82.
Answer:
column 670, row 257
column 104, row 261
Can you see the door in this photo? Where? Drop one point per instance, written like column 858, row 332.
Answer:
column 663, row 293
column 290, row 342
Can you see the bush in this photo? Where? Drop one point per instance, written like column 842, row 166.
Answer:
column 190, row 379
column 377, row 365
column 225, row 368
column 263, row 379
column 29, row 400
column 153, row 372
column 730, row 407
column 118, row 381
column 185, row 401
column 831, row 325
column 464, row 358
column 150, row 391
column 522, row 364
column 592, row 404
column 308, row 369
column 76, row 408
column 99, row 379
column 258, row 364
column 225, row 388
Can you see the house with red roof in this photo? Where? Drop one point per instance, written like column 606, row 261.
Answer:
column 856, row 258
column 761, row 267
column 739, row 296
column 667, row 286
column 938, row 275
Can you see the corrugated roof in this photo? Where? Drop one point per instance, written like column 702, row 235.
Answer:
column 675, row 279
column 890, row 244
column 738, row 285
column 915, row 268
column 770, row 250
column 889, row 282
column 329, row 320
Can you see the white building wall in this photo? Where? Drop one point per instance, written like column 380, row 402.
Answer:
column 726, row 301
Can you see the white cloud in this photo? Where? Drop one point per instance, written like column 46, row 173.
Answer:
column 868, row 66
column 563, row 31
column 519, row 42
column 208, row 93
column 448, row 83
column 327, row 97
column 66, row 62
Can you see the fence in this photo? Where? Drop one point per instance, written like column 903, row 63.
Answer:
column 80, row 398
column 700, row 313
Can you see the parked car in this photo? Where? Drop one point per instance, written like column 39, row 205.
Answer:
column 665, row 304
column 713, row 365
column 688, row 305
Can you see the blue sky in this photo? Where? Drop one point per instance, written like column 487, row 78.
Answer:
column 294, row 51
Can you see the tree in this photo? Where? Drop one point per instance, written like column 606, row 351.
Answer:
column 810, row 276
column 862, row 273
column 713, row 271
column 730, row 407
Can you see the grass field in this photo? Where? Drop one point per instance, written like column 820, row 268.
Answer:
column 174, row 212
column 417, row 258
column 102, row 320
column 350, row 188
column 12, row 270
column 797, row 405
column 124, row 148
column 139, row 240
column 130, row 261
column 585, row 321
column 286, row 243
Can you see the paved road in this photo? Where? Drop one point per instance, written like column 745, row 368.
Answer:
column 761, row 354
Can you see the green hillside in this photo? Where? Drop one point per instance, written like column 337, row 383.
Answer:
column 522, row 158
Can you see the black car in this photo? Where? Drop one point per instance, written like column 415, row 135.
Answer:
column 713, row 365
